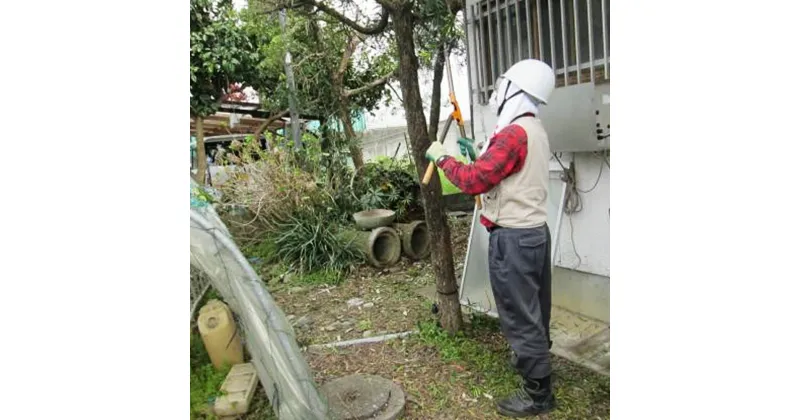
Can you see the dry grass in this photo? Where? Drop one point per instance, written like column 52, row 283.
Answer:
column 264, row 187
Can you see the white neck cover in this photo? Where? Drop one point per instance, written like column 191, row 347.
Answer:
column 515, row 106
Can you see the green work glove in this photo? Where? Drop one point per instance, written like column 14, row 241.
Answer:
column 435, row 151
column 448, row 188
column 467, row 147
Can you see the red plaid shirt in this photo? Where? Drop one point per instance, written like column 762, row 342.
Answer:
column 505, row 156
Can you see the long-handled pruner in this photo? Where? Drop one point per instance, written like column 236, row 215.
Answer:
column 455, row 115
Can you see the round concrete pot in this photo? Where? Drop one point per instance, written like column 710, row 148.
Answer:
column 381, row 246
column 374, row 218
column 415, row 239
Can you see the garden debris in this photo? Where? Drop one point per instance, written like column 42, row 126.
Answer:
column 355, row 302
column 302, row 322
column 466, row 398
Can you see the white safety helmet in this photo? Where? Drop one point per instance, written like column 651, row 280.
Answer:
column 534, row 77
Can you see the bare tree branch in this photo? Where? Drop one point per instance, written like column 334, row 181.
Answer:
column 352, row 44
column 374, row 29
column 267, row 123
column 373, row 84
column 399, row 98
column 436, row 95
column 304, row 59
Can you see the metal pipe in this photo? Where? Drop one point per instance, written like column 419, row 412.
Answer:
column 481, row 70
column 552, row 35
column 500, row 62
column 492, row 59
column 590, row 28
column 470, row 85
column 477, row 34
column 357, row 341
column 519, row 30
column 528, row 31
column 564, row 43
column 606, row 72
column 287, row 64
column 577, row 39
column 539, row 28
column 509, row 48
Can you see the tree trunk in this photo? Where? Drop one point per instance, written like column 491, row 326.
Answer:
column 436, row 94
column 202, row 167
column 344, row 102
column 442, row 255
column 264, row 126
column 350, row 133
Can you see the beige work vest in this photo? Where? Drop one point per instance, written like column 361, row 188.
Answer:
column 520, row 200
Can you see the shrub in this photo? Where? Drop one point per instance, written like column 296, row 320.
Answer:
column 264, row 186
column 285, row 205
column 385, row 183
column 308, row 241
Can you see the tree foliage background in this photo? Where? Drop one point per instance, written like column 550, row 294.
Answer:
column 343, row 59
column 221, row 54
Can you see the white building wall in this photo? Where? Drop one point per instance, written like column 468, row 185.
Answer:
column 385, row 141
column 585, row 236
column 590, row 227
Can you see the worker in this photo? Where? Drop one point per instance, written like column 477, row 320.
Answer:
column 512, row 175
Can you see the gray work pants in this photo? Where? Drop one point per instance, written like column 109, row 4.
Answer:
column 519, row 270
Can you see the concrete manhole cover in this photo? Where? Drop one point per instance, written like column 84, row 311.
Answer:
column 361, row 397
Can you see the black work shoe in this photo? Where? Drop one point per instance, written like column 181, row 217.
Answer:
column 532, row 399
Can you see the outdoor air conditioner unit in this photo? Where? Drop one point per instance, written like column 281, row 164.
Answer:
column 577, row 118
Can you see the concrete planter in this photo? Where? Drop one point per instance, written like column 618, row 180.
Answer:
column 415, row 239
column 381, row 246
column 374, row 218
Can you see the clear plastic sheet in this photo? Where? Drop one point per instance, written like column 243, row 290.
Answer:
column 281, row 367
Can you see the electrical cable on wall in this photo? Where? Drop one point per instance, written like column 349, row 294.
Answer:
column 573, row 202
column 597, row 181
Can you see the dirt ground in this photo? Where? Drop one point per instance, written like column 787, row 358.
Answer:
column 438, row 389
column 444, row 377
column 369, row 302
